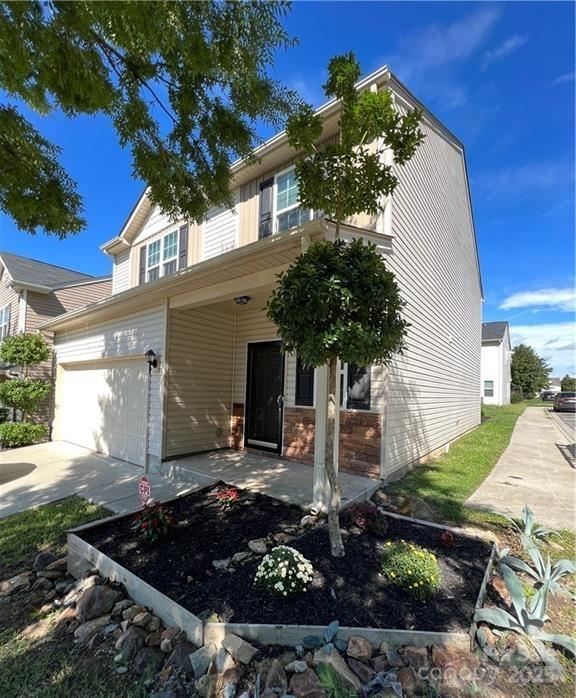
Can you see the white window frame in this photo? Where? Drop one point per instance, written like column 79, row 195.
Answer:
column 485, row 389
column 4, row 321
column 275, row 212
column 162, row 261
column 343, row 375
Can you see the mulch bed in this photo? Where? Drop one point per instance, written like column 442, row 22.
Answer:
column 348, row 589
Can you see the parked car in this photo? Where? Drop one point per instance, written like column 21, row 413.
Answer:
column 548, row 395
column 565, row 402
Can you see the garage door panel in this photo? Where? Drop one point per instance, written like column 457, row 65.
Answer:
column 103, row 407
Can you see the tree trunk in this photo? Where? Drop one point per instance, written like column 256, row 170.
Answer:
column 336, row 545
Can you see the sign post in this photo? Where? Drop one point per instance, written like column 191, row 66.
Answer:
column 144, row 490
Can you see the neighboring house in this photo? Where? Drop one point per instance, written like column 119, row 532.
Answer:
column 195, row 294
column 555, row 385
column 496, row 358
column 32, row 292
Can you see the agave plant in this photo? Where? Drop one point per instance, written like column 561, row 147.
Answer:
column 529, row 616
column 528, row 530
column 543, row 572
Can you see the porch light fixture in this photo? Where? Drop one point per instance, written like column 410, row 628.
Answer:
column 241, row 300
column 151, row 359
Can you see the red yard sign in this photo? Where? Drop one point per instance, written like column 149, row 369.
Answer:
column 144, row 490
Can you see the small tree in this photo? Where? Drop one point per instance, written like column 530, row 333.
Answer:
column 24, row 351
column 338, row 301
column 568, row 383
column 529, row 371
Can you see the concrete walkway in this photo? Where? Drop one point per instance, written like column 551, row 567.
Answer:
column 536, row 470
column 36, row 475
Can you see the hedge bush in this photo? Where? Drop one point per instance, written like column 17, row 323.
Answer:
column 21, row 433
column 411, row 568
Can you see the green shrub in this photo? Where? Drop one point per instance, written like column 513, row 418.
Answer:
column 516, row 395
column 411, row 568
column 21, row 433
column 24, row 394
column 284, row 571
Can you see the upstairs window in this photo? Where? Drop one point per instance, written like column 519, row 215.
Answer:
column 161, row 256
column 288, row 212
column 488, row 388
column 4, row 322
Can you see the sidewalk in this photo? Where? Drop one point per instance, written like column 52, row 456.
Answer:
column 533, row 470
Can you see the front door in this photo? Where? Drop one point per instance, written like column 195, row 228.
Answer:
column 264, row 396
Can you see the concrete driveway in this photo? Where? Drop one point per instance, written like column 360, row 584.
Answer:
column 36, row 475
column 537, row 469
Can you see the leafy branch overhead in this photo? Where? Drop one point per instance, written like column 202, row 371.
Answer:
column 185, row 85
column 350, row 175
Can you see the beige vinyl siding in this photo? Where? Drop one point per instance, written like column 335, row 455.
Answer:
column 199, row 381
column 9, row 297
column 434, row 387
column 219, row 232
column 121, row 272
column 130, row 336
column 251, row 326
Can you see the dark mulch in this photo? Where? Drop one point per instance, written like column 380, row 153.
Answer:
column 349, row 589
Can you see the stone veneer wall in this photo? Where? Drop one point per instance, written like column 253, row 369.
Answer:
column 360, row 438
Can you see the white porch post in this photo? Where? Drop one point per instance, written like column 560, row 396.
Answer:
column 321, row 492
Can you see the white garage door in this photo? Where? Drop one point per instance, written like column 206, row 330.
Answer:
column 103, row 407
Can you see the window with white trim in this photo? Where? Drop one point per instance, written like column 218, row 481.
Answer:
column 488, row 388
column 288, row 213
column 355, row 387
column 4, row 322
column 162, row 256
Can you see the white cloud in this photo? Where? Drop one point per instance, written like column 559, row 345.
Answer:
column 557, row 298
column 438, row 45
column 553, row 341
column 567, row 77
column 523, row 180
column 505, row 49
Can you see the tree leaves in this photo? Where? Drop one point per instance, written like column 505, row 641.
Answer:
column 529, row 371
column 185, row 85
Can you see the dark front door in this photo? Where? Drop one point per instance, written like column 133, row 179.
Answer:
column 264, row 396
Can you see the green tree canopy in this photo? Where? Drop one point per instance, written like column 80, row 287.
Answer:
column 568, row 383
column 184, row 83
column 529, row 371
column 24, row 350
column 23, row 394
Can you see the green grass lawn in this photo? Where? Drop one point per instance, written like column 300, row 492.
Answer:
column 23, row 535
column 446, row 483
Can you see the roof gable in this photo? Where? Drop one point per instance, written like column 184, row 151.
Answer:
column 32, row 273
column 494, row 331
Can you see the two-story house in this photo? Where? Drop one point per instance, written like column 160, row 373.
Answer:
column 496, row 363
column 194, row 294
column 32, row 292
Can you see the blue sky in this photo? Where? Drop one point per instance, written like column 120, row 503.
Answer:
column 500, row 75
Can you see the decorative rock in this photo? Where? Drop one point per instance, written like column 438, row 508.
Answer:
column 63, row 587
column 420, row 509
column 276, row 677
column 380, row 498
column 95, row 602
column 173, row 634
column 362, row 671
column 121, row 606
column 153, row 624
column 499, row 587
column 122, row 670
column 283, row 538
column 226, row 683
column 47, row 574
column 60, row 565
column 85, row 631
column 142, row 619
column 392, row 656
column 408, row 679
column 298, row 666
column 221, row 564
column 222, row 662
column 110, row 628
column 380, row 664
column 241, row 556
column 166, row 646
column 42, row 584
column 359, row 648
column 201, row 660
column 416, row 657
column 241, row 650
column 43, row 560
column 306, row 685
column 148, row 659
column 519, row 655
column 95, row 641
column 15, row 584
column 153, row 639
column 258, row 546
column 131, row 641
column 334, row 660
column 308, row 520
column 180, row 657
column 131, row 612
column 118, row 658
column 449, row 656
column 124, row 625
column 205, row 685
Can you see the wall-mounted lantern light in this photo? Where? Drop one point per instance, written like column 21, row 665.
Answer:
column 241, row 300
column 151, row 359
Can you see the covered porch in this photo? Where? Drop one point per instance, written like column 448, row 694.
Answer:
column 288, row 481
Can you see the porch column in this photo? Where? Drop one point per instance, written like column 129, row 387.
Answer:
column 321, row 491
